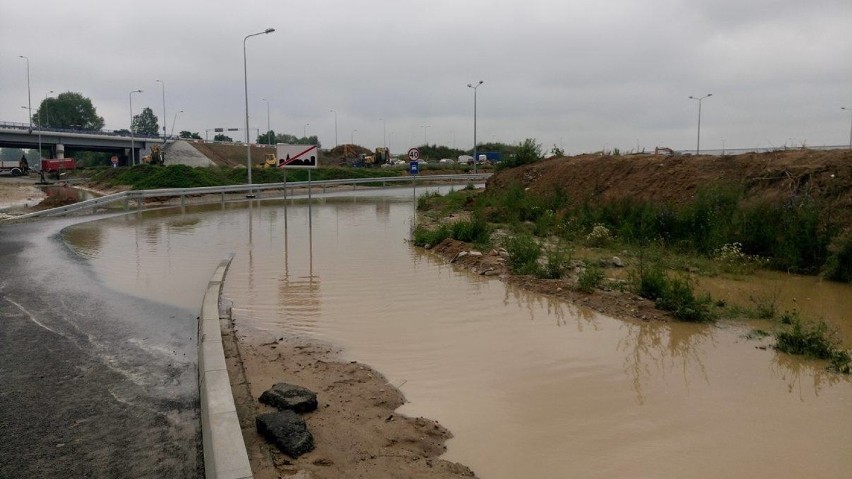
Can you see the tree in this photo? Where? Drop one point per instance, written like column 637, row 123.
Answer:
column 222, row 137
column 187, row 135
column 68, row 110
column 145, row 123
column 267, row 138
column 526, row 152
column 295, row 140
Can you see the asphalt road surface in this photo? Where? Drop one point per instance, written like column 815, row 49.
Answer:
column 93, row 383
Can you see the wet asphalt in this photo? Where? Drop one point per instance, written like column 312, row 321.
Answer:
column 93, row 383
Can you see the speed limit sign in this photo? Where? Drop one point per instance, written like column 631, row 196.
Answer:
column 414, row 154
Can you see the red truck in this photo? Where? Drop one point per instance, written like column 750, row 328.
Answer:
column 51, row 166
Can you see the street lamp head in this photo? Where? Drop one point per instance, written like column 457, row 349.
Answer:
column 269, row 30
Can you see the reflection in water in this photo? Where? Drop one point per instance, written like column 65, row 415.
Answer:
column 652, row 350
column 510, row 373
column 793, row 371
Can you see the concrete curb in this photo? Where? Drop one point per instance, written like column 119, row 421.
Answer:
column 225, row 455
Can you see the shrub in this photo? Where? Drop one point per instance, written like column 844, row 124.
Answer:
column 589, row 279
column 815, row 340
column 524, row 252
column 599, row 236
column 528, row 151
column 679, row 298
column 424, row 236
column 475, row 230
column 838, row 267
column 556, row 263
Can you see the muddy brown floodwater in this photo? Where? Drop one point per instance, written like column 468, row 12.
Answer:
column 529, row 387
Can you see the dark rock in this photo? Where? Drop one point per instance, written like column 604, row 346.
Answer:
column 287, row 430
column 289, row 396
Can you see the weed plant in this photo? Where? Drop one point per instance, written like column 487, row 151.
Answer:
column 590, row 278
column 524, row 252
column 794, row 236
column 814, row 340
column 556, row 263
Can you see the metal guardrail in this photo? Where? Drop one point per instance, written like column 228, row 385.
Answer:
column 138, row 196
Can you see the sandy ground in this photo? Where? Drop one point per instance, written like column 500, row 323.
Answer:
column 356, row 430
column 18, row 192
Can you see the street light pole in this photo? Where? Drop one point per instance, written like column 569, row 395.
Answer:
column 305, row 130
column 132, row 139
column 164, row 108
column 174, row 120
column 47, row 113
column 335, row 127
column 699, row 99
column 384, row 132
column 425, row 136
column 29, row 97
column 268, row 136
column 850, row 125
column 474, row 86
column 245, row 74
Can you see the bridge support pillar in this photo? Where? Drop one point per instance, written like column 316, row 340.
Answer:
column 60, row 151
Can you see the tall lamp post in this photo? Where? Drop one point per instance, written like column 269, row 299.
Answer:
column 132, row 138
column 161, row 82
column 268, row 129
column 474, row 86
column 850, row 126
column 174, row 120
column 245, row 74
column 305, row 130
column 699, row 99
column 425, row 136
column 335, row 127
column 384, row 132
column 47, row 113
column 29, row 97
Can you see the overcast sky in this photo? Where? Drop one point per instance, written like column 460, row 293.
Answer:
column 583, row 74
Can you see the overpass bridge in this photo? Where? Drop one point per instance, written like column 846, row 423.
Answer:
column 64, row 143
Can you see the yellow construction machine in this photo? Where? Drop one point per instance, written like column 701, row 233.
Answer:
column 269, row 161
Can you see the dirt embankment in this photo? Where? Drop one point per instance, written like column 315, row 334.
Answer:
column 232, row 155
column 825, row 176
column 357, row 431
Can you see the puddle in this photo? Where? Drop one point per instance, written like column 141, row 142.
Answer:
column 529, row 387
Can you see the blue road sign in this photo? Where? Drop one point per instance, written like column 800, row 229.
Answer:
column 413, row 167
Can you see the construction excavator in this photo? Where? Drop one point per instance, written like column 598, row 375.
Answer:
column 156, row 157
column 269, row 161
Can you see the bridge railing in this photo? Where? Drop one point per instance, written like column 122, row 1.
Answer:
column 137, row 197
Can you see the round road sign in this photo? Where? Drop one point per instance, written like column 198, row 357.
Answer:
column 414, row 154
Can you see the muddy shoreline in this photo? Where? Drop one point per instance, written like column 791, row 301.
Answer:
column 356, row 429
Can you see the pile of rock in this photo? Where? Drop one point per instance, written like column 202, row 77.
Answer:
column 286, row 428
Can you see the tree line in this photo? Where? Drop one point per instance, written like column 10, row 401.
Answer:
column 73, row 111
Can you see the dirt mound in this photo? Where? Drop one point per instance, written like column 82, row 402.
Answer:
column 232, row 154
column 825, row 176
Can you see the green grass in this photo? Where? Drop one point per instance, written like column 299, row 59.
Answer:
column 589, row 279
column 813, row 340
column 524, row 252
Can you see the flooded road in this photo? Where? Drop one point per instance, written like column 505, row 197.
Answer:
column 529, row 387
